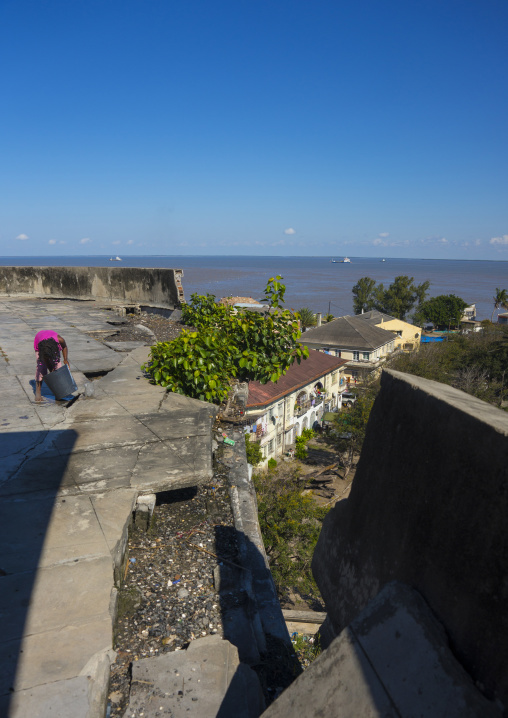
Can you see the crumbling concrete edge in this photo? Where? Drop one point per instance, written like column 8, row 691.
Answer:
column 258, row 580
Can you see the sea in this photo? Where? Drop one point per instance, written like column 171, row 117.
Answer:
column 314, row 282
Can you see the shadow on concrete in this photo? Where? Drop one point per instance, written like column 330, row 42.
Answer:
column 244, row 596
column 28, row 494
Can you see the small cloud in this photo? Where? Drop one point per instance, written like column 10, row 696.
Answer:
column 378, row 242
column 52, row 241
column 494, row 240
column 85, row 240
column 22, row 236
column 384, row 234
column 477, row 242
column 62, row 241
column 290, row 230
column 443, row 240
column 117, row 241
column 130, row 241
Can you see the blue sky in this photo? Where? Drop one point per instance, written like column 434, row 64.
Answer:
column 254, row 127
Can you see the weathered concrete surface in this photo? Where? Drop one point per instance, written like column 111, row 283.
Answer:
column 69, row 479
column 428, row 507
column 157, row 287
column 205, row 681
column 393, row 661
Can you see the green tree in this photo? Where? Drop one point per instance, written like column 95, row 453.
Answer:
column 307, row 317
column 401, row 296
column 398, row 300
column 228, row 344
column 364, row 297
column 328, row 318
column 500, row 300
column 443, row 311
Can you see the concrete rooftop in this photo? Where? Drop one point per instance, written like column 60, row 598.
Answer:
column 69, row 479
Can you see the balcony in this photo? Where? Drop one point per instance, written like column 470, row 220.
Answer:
column 367, row 363
column 305, row 406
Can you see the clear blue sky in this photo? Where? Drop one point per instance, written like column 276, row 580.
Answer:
column 368, row 128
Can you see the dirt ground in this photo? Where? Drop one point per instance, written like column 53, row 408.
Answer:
column 322, row 456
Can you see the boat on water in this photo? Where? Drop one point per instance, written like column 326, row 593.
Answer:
column 346, row 260
column 383, row 260
column 115, row 259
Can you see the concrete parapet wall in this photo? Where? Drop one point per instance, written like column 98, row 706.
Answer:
column 428, row 507
column 157, row 287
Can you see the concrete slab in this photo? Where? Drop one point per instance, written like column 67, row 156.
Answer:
column 392, row 661
column 205, row 681
column 102, row 433
column 50, row 595
column 61, row 699
column 44, row 658
column 44, row 532
column 124, row 346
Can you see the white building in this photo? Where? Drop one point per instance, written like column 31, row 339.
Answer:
column 278, row 412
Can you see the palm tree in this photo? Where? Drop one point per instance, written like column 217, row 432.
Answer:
column 500, row 300
column 307, row 317
column 328, row 318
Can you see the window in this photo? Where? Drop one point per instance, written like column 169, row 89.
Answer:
column 270, row 446
column 356, row 356
column 366, row 356
column 334, row 377
column 399, row 334
column 280, row 410
column 355, row 374
column 338, row 353
column 279, row 439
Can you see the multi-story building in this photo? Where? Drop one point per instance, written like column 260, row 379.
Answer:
column 278, row 412
column 364, row 347
column 408, row 335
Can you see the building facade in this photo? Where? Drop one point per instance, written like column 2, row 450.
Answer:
column 408, row 335
column 276, row 413
column 363, row 346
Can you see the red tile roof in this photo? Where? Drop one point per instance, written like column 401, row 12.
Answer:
column 298, row 375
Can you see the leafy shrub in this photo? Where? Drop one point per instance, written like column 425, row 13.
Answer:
column 229, row 344
column 254, row 453
column 308, row 434
column 301, row 452
column 290, row 523
column 272, row 464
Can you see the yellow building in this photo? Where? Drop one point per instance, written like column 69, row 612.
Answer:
column 408, row 335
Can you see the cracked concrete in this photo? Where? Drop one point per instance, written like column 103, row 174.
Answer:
column 69, row 479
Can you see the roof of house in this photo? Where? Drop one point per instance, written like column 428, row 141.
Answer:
column 376, row 318
column 297, row 376
column 349, row 332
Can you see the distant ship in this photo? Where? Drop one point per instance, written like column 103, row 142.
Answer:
column 115, row 259
column 383, row 260
column 346, row 260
